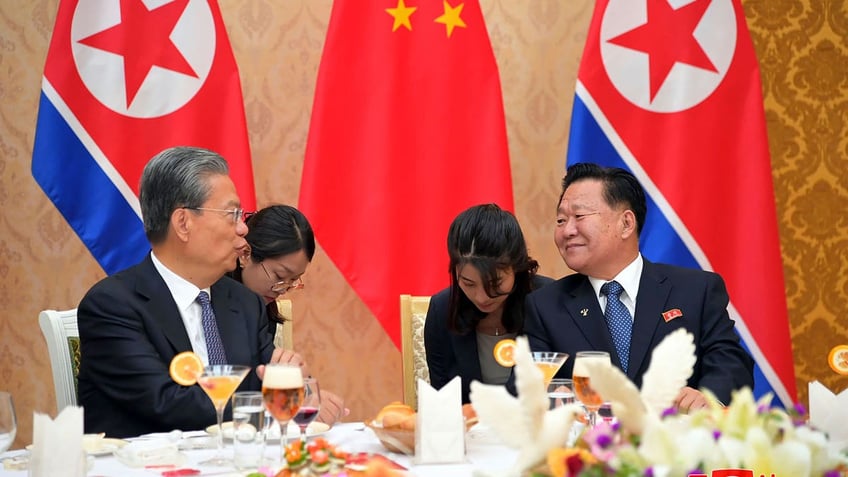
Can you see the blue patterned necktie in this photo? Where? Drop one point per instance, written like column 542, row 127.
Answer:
column 619, row 321
column 214, row 345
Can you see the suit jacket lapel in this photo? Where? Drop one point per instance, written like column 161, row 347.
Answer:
column 653, row 294
column 465, row 347
column 165, row 312
column 588, row 316
column 229, row 318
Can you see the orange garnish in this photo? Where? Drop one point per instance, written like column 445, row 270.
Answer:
column 504, row 351
column 185, row 368
column 838, row 359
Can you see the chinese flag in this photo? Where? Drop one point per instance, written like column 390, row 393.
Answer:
column 407, row 131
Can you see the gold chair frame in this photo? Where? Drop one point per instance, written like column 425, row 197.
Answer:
column 413, row 313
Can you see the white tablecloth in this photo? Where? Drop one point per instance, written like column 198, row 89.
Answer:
column 482, row 452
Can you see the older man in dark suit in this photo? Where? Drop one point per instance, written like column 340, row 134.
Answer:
column 620, row 302
column 133, row 323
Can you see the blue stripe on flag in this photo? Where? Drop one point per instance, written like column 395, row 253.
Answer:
column 658, row 242
column 84, row 194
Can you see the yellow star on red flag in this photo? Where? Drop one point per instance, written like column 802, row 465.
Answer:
column 451, row 18
column 401, row 14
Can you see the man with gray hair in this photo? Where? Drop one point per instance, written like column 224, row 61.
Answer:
column 177, row 299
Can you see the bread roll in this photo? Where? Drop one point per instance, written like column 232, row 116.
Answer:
column 394, row 414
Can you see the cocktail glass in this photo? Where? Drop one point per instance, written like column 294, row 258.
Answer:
column 549, row 363
column 220, row 381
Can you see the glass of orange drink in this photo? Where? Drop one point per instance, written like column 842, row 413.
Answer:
column 549, row 363
column 583, row 384
column 220, row 381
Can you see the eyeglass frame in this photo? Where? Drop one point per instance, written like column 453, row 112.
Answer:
column 238, row 212
column 296, row 284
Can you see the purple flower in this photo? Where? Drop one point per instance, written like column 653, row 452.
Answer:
column 649, row 472
column 833, row 473
column 716, row 434
column 671, row 411
column 763, row 408
column 800, row 409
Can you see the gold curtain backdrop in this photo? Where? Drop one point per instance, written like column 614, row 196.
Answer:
column 803, row 50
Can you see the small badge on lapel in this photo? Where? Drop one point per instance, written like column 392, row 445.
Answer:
column 672, row 314
column 584, row 312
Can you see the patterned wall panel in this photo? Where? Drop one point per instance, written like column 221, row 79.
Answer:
column 803, row 48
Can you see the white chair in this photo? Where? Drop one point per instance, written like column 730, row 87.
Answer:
column 62, row 336
column 283, row 337
column 413, row 314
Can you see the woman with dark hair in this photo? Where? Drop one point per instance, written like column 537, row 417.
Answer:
column 491, row 274
column 280, row 246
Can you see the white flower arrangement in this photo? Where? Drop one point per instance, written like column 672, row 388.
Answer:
column 748, row 435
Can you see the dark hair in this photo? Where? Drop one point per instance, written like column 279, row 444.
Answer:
column 176, row 177
column 275, row 231
column 620, row 187
column 490, row 239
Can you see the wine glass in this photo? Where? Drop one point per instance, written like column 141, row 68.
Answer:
column 220, row 381
column 582, row 384
column 309, row 408
column 282, row 391
column 8, row 425
column 549, row 363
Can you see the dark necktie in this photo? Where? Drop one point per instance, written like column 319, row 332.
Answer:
column 214, row 345
column 619, row 321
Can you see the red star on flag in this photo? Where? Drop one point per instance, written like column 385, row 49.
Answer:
column 668, row 38
column 143, row 39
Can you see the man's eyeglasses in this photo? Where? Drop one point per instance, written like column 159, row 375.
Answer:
column 283, row 286
column 238, row 213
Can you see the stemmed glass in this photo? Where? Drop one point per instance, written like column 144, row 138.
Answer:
column 309, row 408
column 220, row 381
column 582, row 386
column 549, row 363
column 8, row 425
column 282, row 391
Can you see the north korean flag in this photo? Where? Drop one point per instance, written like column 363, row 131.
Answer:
column 670, row 89
column 123, row 80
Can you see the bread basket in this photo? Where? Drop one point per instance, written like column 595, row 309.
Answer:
column 394, row 440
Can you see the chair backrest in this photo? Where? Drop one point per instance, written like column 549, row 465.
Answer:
column 63, row 345
column 283, row 337
column 413, row 313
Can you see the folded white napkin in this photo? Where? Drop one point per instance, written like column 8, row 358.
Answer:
column 439, row 429
column 829, row 413
column 57, row 448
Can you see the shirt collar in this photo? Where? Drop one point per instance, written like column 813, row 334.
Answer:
column 184, row 292
column 628, row 278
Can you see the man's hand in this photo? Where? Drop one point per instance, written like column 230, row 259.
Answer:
column 284, row 356
column 332, row 408
column 690, row 399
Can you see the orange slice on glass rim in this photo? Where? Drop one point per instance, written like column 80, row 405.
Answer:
column 185, row 368
column 504, row 352
column 838, row 359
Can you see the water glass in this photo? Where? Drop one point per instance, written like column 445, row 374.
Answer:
column 8, row 424
column 560, row 392
column 248, row 429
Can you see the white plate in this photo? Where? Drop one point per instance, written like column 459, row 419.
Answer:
column 98, row 446
column 314, row 429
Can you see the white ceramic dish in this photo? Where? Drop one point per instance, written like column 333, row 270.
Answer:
column 98, row 446
column 314, row 429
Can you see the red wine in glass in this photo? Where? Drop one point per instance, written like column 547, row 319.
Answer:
column 309, row 407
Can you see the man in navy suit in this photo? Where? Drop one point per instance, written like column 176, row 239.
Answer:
column 599, row 218
column 132, row 323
